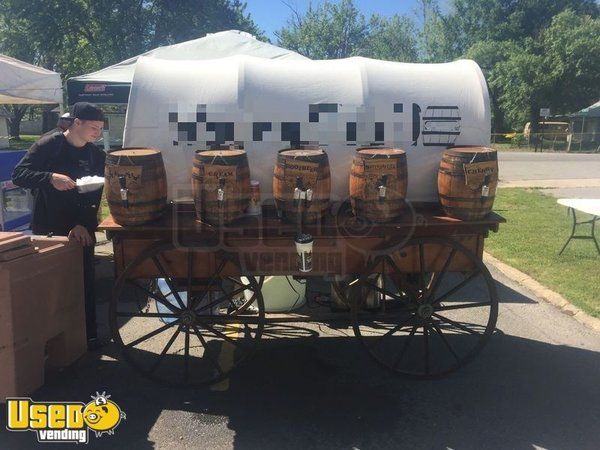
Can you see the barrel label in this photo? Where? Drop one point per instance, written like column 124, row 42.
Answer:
column 216, row 172
column 380, row 174
column 476, row 173
column 132, row 174
column 306, row 170
column 213, row 190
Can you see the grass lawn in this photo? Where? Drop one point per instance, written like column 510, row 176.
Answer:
column 508, row 147
column 24, row 142
column 535, row 231
column 104, row 211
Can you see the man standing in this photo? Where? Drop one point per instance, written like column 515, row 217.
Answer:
column 63, row 124
column 50, row 169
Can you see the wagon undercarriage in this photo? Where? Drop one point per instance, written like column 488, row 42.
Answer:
column 187, row 306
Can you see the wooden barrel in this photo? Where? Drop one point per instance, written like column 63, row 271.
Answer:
column 221, row 185
column 308, row 170
column 378, row 183
column 139, row 175
column 467, row 181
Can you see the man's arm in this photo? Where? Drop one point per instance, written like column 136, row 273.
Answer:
column 32, row 171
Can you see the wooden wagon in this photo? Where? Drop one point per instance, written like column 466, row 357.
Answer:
column 187, row 306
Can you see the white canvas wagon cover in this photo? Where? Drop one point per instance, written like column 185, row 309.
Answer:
column 266, row 105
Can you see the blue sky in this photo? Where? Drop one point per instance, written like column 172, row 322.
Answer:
column 271, row 15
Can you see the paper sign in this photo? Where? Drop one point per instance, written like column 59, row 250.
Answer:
column 212, row 174
column 375, row 169
column 132, row 174
column 475, row 173
column 307, row 170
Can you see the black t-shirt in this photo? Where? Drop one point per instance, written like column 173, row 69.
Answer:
column 59, row 211
column 76, row 160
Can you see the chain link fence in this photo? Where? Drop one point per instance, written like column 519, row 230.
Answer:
column 549, row 141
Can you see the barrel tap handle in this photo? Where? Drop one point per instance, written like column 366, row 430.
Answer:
column 124, row 191
column 298, row 191
column 309, row 196
column 485, row 188
column 382, row 188
column 221, row 192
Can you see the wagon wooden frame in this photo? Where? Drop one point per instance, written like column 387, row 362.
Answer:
column 401, row 264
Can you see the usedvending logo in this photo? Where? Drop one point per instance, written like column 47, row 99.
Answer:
column 66, row 422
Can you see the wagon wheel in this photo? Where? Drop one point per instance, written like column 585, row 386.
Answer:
column 190, row 331
column 437, row 307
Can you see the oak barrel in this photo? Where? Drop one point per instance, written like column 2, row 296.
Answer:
column 305, row 169
column 221, row 185
column 378, row 183
column 135, row 185
column 467, row 181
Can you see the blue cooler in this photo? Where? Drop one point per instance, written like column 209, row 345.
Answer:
column 15, row 202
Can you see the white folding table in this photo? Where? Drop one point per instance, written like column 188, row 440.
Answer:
column 585, row 205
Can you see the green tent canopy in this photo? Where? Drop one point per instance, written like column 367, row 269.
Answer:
column 590, row 111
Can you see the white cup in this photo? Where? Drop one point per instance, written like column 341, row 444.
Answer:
column 304, row 248
column 254, row 208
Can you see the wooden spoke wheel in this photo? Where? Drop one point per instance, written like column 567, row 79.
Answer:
column 425, row 309
column 188, row 330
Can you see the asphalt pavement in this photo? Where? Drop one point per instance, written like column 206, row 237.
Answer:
column 535, row 385
column 563, row 175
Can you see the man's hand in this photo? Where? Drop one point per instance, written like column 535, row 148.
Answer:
column 62, row 182
column 81, row 235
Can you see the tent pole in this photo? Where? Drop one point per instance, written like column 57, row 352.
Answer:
column 581, row 137
column 106, row 140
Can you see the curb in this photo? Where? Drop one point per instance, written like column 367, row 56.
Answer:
column 566, row 183
column 543, row 292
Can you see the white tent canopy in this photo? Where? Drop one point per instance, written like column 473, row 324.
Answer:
column 23, row 83
column 111, row 85
column 267, row 105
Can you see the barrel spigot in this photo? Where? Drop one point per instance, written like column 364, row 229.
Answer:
column 382, row 188
column 485, row 188
column 298, row 191
column 124, row 191
column 221, row 192
column 309, row 196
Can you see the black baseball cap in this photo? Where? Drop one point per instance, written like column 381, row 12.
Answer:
column 87, row 111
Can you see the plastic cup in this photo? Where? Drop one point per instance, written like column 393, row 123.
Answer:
column 304, row 248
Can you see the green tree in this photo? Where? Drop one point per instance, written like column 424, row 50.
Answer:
column 332, row 30
column 488, row 55
column 435, row 40
column 560, row 70
column 96, row 33
column 571, row 50
column 392, row 39
column 528, row 50
column 472, row 21
column 339, row 30
column 12, row 44
column 521, row 84
column 78, row 36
